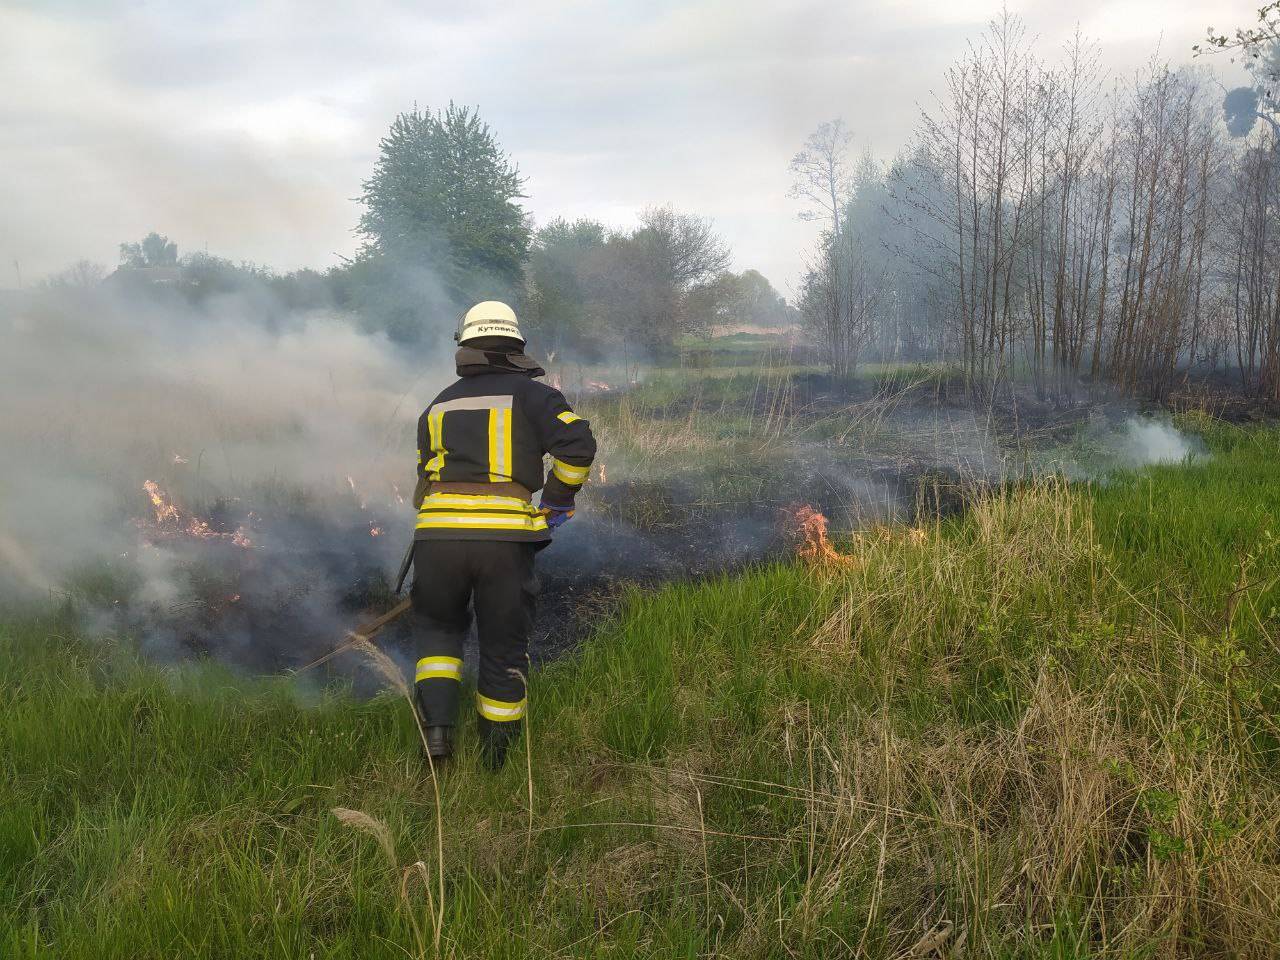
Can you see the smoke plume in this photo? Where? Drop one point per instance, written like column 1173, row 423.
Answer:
column 235, row 480
column 1154, row 441
column 103, row 389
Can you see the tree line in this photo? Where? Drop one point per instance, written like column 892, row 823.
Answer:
column 443, row 227
column 1051, row 224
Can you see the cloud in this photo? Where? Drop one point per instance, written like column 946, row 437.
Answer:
column 249, row 126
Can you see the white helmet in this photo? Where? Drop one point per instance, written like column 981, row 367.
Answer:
column 492, row 318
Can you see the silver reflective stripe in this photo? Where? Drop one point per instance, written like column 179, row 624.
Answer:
column 499, row 710
column 472, row 403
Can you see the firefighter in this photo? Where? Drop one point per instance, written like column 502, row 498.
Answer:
column 481, row 445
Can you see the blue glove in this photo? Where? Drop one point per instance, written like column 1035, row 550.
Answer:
column 556, row 517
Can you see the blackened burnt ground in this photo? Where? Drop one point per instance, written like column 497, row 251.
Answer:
column 719, row 499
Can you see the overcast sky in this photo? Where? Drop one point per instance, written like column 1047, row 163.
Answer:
column 246, row 127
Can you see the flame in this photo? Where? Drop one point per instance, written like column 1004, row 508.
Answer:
column 375, row 531
column 165, row 511
column 170, row 520
column 814, row 546
column 395, row 488
column 603, row 476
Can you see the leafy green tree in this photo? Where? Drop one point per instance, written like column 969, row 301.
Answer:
column 755, row 302
column 563, row 279
column 205, row 275
column 625, row 294
column 441, row 219
column 736, row 300
column 669, row 255
column 153, row 251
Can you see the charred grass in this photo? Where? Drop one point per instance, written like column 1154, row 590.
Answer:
column 1044, row 729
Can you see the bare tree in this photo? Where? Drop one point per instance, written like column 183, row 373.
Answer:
column 687, row 246
column 1057, row 229
column 822, row 175
column 838, row 298
column 983, row 137
column 80, row 275
column 1251, row 251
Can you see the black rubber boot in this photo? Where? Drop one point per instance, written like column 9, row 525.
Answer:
column 495, row 739
column 439, row 745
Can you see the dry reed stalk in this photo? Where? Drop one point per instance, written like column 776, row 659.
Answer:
column 528, row 749
column 418, row 869
column 363, row 634
column 933, row 942
column 706, row 859
column 374, row 827
column 378, row 829
column 390, row 671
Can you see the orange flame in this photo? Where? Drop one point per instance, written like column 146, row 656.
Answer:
column 171, row 521
column 165, row 511
column 603, row 476
column 815, row 548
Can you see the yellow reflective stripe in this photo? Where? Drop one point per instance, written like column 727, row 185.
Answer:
column 444, row 522
column 568, row 417
column 449, row 667
column 442, row 511
column 428, row 521
column 435, row 431
column 568, row 473
column 499, row 710
column 500, row 445
column 462, row 501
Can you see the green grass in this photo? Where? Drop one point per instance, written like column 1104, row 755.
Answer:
column 1050, row 723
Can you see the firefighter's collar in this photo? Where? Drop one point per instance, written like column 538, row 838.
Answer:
column 471, row 362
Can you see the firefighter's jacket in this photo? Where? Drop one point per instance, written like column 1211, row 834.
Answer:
column 481, row 445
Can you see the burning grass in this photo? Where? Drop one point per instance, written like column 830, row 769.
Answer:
column 265, row 572
column 1043, row 729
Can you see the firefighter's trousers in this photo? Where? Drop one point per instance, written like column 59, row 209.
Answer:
column 497, row 579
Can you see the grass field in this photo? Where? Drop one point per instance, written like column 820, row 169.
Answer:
column 1045, row 729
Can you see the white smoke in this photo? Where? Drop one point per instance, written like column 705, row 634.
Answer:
column 101, row 390
column 1147, row 441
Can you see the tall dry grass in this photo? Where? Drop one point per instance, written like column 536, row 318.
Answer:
column 1045, row 729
